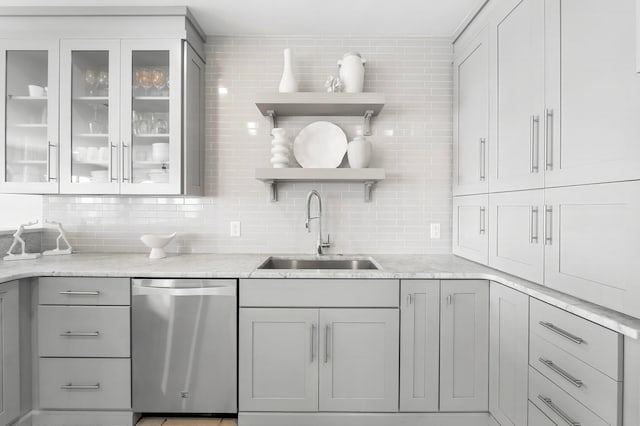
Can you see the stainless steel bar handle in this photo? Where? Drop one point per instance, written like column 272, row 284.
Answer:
column 49, row 146
column 562, row 372
column 483, row 157
column 409, row 299
column 327, row 330
column 548, row 228
column 533, row 223
column 313, row 341
column 563, row 333
column 534, row 134
column 80, row 334
column 71, row 386
column 113, row 146
column 483, row 227
column 549, row 140
column 125, row 148
column 80, row 293
column 549, row 403
column 449, row 299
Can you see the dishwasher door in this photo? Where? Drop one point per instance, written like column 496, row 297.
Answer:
column 184, row 356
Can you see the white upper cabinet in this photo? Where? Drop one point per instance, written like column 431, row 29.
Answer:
column 592, row 92
column 470, row 227
column 471, row 117
column 516, row 153
column 29, row 111
column 592, row 241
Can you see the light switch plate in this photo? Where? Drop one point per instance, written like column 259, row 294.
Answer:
column 234, row 228
column 435, row 231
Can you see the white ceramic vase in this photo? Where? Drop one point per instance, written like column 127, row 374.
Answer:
column 352, row 72
column 359, row 153
column 280, row 149
column 288, row 83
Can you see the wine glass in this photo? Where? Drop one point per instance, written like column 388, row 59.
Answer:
column 145, row 79
column 159, row 78
column 103, row 83
column 91, row 79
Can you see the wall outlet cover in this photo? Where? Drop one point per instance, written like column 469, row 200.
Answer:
column 234, row 228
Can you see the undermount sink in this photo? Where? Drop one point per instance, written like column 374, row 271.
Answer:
column 350, row 263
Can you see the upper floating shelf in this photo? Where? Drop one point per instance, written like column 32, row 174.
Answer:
column 364, row 105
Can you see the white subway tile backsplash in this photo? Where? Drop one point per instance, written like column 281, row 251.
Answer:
column 412, row 141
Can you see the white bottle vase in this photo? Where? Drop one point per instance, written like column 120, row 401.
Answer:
column 359, row 153
column 352, row 72
column 280, row 149
column 288, row 83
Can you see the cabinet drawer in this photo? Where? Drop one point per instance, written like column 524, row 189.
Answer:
column 594, row 389
column 595, row 345
column 84, row 291
column 87, row 384
column 558, row 405
column 334, row 293
column 84, row 331
column 537, row 417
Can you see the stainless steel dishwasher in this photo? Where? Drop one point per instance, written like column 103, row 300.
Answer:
column 184, row 346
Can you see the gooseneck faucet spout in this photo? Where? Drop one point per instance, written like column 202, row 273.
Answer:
column 320, row 244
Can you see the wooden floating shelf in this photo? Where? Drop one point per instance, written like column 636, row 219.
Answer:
column 368, row 177
column 311, row 104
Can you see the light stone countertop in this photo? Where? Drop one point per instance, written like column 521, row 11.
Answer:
column 245, row 266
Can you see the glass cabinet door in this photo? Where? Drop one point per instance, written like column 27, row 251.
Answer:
column 89, row 100
column 151, row 116
column 29, row 157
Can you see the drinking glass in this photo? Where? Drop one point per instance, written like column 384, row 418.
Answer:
column 91, row 80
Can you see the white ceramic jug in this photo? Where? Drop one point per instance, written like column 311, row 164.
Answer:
column 352, row 72
column 359, row 153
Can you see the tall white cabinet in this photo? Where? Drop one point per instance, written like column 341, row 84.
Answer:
column 120, row 115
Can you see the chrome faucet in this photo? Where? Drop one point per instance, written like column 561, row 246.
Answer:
column 320, row 244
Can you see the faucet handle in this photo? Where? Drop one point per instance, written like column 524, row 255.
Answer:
column 326, row 244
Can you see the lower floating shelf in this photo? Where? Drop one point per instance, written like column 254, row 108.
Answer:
column 368, row 177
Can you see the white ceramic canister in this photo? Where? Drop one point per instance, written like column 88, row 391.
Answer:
column 352, row 72
column 288, row 83
column 280, row 149
column 359, row 153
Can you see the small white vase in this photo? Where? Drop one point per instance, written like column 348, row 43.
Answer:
column 280, row 149
column 288, row 83
column 352, row 72
column 359, row 153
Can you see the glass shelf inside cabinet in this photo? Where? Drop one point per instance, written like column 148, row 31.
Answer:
column 90, row 145
column 26, row 116
column 150, row 118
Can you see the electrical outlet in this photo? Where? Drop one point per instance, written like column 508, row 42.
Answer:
column 234, row 228
column 435, row 231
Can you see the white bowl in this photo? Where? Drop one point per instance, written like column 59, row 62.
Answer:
column 35, row 91
column 157, row 243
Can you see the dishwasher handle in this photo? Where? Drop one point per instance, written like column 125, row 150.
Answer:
column 183, row 288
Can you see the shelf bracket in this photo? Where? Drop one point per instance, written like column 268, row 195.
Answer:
column 368, row 187
column 273, row 190
column 367, row 122
column 273, row 120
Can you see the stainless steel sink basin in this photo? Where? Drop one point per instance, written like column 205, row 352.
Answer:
column 319, row 263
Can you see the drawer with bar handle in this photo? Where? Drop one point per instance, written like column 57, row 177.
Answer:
column 591, row 343
column 597, row 391
column 86, row 384
column 557, row 405
column 84, row 291
column 84, row 331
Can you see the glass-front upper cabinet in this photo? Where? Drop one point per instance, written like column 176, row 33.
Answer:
column 89, row 107
column 150, row 119
column 29, row 108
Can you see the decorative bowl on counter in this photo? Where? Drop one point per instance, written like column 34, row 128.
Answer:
column 157, row 244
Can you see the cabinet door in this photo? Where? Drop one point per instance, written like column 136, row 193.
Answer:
column 359, row 360
column 593, row 106
column 592, row 239
column 9, row 353
column 515, row 233
column 471, row 117
column 151, row 117
column 278, row 363
column 518, row 103
column 89, row 116
column 419, row 345
column 194, row 107
column 29, row 111
column 464, row 345
column 470, row 236
column 508, row 355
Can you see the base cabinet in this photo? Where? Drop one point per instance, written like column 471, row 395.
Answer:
column 508, row 355
column 464, row 345
column 9, row 353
